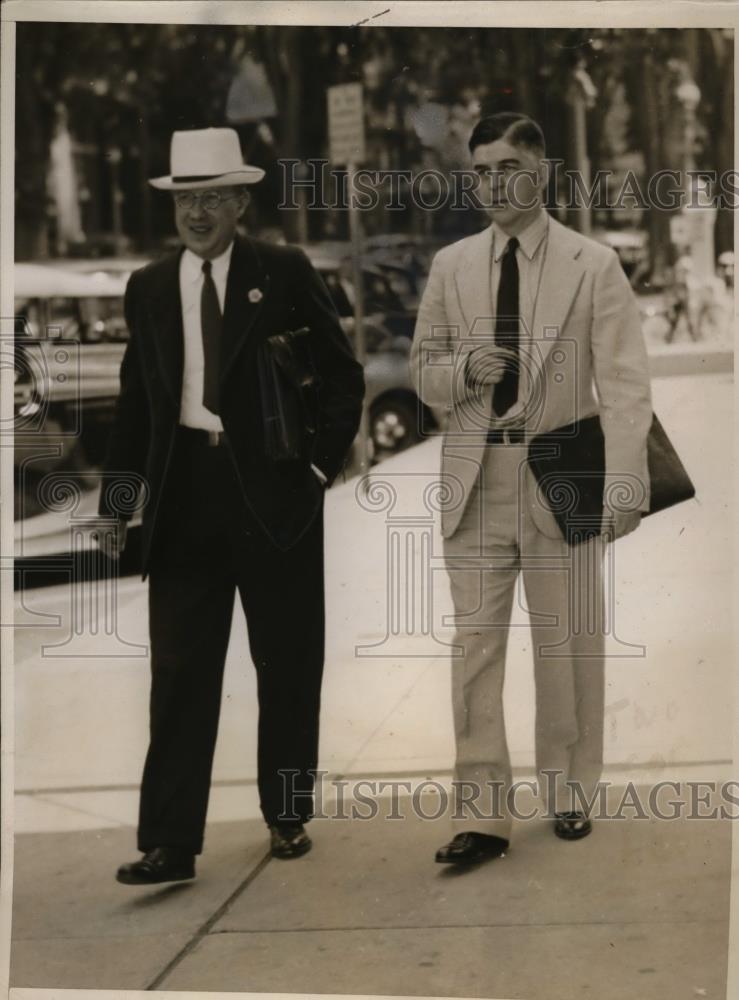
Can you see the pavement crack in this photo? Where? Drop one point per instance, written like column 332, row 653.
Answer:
column 206, row 927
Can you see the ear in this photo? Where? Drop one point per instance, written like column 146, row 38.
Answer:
column 244, row 200
column 544, row 170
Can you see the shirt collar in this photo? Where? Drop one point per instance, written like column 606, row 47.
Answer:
column 192, row 265
column 529, row 239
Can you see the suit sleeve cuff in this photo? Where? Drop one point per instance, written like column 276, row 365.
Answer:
column 320, row 475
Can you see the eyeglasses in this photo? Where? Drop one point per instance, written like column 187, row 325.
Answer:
column 209, row 200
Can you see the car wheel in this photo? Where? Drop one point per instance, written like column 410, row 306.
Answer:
column 394, row 426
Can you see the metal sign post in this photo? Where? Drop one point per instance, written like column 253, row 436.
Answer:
column 346, row 148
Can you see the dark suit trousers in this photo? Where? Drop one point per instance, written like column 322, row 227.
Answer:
column 206, row 547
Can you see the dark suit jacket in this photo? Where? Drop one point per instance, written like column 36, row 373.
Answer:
column 284, row 496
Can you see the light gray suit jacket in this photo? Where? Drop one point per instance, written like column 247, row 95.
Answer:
column 584, row 355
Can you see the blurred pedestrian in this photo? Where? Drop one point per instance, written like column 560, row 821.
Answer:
column 516, row 326
column 678, row 300
column 224, row 513
column 726, row 268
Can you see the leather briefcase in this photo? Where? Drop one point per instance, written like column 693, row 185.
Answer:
column 288, row 386
column 569, row 467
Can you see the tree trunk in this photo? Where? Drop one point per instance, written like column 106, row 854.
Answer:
column 280, row 49
column 523, row 63
column 32, row 139
column 648, row 116
column 724, row 149
column 145, row 231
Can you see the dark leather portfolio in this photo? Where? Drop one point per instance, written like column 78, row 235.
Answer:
column 569, row 466
column 287, row 387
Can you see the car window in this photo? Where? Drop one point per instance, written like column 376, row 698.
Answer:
column 377, row 339
column 64, row 319
column 401, row 284
column 92, row 320
column 379, row 295
column 28, row 318
column 337, row 293
column 103, row 321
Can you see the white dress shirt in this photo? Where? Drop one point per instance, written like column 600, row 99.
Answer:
column 192, row 411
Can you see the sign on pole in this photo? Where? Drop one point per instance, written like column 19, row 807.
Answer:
column 346, row 124
column 346, row 149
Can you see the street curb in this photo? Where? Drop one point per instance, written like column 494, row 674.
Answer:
column 690, row 359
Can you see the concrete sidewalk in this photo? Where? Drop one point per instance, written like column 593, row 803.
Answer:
column 640, row 907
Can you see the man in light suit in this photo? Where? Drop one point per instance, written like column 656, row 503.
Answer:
column 525, row 328
column 223, row 514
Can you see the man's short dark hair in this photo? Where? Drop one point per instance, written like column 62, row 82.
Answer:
column 518, row 129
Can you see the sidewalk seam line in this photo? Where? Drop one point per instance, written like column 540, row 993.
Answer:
column 205, row 928
column 444, row 927
column 411, row 773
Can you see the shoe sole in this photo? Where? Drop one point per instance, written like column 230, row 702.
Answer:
column 469, row 861
column 153, row 881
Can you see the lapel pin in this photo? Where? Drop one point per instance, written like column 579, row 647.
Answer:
column 255, row 295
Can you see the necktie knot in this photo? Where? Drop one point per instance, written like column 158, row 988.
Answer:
column 511, row 246
column 207, row 267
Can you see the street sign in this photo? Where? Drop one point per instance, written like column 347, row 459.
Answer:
column 346, row 124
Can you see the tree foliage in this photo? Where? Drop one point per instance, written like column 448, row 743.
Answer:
column 128, row 86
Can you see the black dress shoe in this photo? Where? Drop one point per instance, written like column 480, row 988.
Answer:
column 572, row 825
column 289, row 840
column 470, row 848
column 160, row 864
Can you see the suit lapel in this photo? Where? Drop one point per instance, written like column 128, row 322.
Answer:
column 561, row 275
column 247, row 287
column 472, row 281
column 166, row 315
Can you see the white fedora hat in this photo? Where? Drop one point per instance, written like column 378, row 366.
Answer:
column 206, row 157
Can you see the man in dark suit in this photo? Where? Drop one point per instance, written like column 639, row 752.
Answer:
column 221, row 514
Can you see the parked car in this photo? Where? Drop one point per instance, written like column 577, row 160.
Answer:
column 397, row 418
column 70, row 335
column 389, row 287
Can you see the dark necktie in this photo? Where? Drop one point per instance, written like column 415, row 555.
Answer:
column 505, row 392
column 210, row 324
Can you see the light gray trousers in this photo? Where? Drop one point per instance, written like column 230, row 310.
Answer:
column 496, row 541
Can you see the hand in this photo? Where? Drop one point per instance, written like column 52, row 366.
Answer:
column 618, row 523
column 112, row 540
column 486, row 365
